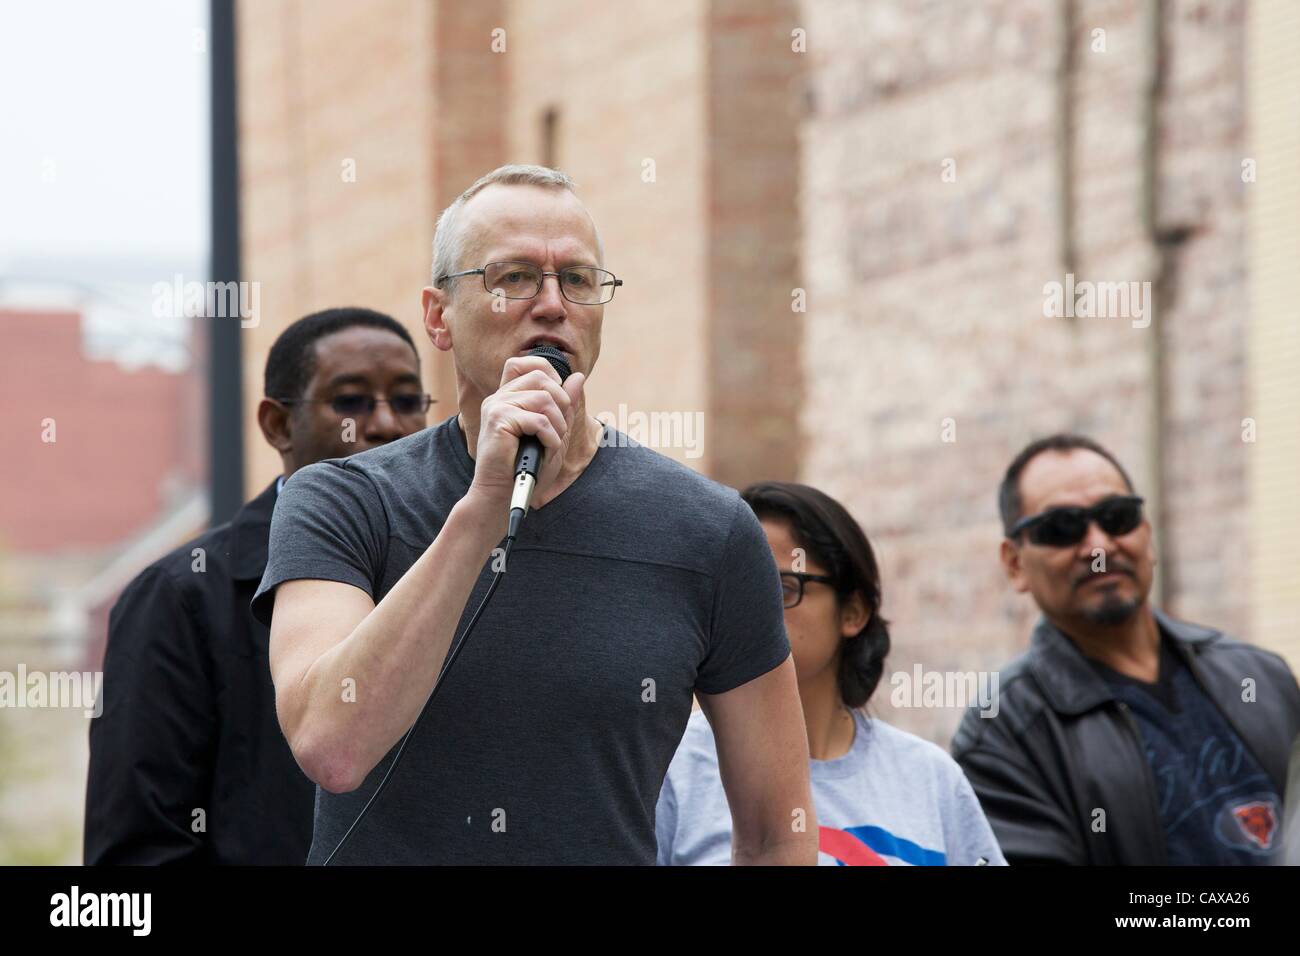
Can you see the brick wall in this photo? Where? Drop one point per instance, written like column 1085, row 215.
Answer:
column 926, row 295
column 754, row 370
column 1274, row 353
column 628, row 82
column 322, row 84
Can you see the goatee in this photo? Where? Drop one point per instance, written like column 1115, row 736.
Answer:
column 1112, row 611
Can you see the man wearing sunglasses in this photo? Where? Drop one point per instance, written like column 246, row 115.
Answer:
column 1123, row 736
column 633, row 584
column 187, row 761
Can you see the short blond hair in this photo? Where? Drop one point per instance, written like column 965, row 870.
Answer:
column 448, row 235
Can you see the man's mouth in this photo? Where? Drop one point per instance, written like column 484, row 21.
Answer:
column 545, row 340
column 1104, row 577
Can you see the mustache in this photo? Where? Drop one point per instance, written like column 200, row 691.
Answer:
column 1111, row 568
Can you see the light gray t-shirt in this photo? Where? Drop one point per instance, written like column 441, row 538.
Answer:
column 548, row 741
column 892, row 799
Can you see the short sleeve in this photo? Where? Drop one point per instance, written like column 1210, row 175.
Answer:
column 747, row 637
column 329, row 524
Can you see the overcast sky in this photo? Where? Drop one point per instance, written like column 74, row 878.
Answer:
column 103, row 131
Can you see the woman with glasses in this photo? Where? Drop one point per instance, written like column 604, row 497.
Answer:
column 882, row 796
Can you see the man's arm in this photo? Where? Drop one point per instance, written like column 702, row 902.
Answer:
column 1031, row 823
column 763, row 759
column 325, row 634
column 152, row 747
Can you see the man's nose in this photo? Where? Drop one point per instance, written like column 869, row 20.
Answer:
column 549, row 303
column 1094, row 540
column 382, row 424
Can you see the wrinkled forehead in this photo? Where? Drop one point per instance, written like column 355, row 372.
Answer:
column 1075, row 477
column 528, row 222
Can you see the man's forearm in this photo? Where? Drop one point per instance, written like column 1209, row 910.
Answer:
column 395, row 654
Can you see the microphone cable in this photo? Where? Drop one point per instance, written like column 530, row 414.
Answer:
column 446, row 666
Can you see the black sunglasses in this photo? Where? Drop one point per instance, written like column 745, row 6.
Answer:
column 356, row 405
column 792, row 584
column 1062, row 527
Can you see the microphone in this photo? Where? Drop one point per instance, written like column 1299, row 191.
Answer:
column 530, row 450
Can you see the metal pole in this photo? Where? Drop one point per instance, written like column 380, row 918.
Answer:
column 225, row 381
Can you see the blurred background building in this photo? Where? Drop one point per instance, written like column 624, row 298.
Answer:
column 103, row 194
column 835, row 219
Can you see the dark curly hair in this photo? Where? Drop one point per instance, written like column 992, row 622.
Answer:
column 829, row 535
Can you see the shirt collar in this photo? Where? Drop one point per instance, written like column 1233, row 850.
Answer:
column 1071, row 685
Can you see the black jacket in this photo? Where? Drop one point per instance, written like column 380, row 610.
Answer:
column 189, row 716
column 1062, row 746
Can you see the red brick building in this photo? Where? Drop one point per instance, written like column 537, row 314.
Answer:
column 92, row 449
column 103, row 472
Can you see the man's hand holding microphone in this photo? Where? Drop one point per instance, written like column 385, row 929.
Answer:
column 530, row 415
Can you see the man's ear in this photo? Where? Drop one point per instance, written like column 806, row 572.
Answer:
column 273, row 419
column 1010, row 555
column 854, row 615
column 433, row 301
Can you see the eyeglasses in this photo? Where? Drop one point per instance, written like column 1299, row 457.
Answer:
column 581, row 285
column 792, row 584
column 356, row 405
column 1063, row 527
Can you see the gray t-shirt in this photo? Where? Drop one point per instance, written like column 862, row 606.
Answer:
column 548, row 741
column 892, row 799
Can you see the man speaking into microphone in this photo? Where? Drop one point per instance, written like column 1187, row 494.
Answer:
column 573, row 650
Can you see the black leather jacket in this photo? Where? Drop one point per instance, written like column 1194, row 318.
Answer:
column 1062, row 746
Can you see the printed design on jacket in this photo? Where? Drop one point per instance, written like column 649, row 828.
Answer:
column 1255, row 824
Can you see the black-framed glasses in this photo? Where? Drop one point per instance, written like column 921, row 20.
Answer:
column 356, row 405
column 1063, row 527
column 792, row 584
column 511, row 279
